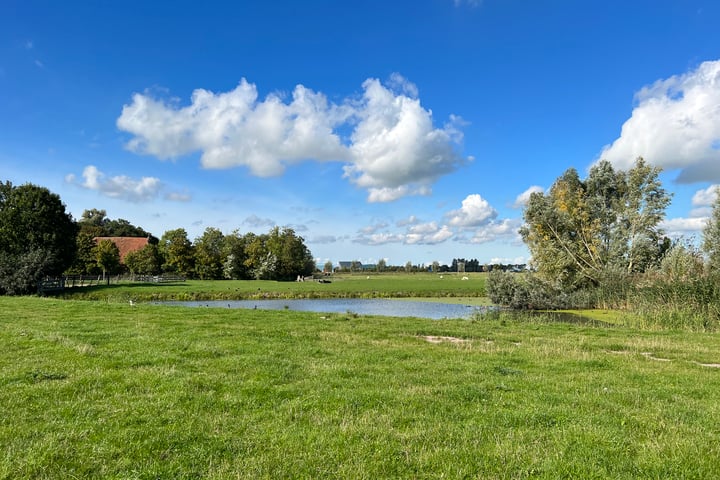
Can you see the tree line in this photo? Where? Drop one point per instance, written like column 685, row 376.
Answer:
column 40, row 239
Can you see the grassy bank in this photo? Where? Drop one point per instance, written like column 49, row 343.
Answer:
column 386, row 285
column 97, row 390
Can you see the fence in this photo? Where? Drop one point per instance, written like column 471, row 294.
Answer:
column 55, row 285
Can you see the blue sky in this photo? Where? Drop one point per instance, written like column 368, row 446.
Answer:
column 409, row 131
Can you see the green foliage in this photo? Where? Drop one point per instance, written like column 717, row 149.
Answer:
column 107, row 256
column 85, row 261
column 96, row 222
column 609, row 221
column 278, row 255
column 683, row 262
column 37, row 237
column 177, row 252
column 146, row 261
column 235, row 265
column 711, row 237
column 209, row 254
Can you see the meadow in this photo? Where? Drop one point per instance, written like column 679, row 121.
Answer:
column 370, row 285
column 103, row 389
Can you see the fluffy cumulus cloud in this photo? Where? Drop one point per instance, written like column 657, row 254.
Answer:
column 506, row 229
column 475, row 211
column 122, row 186
column 235, row 129
column 523, row 199
column 684, row 227
column 675, row 125
column 427, row 234
column 394, row 149
column 703, row 200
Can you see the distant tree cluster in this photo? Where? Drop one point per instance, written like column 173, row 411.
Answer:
column 278, row 255
column 39, row 239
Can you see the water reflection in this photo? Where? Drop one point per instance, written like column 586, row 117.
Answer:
column 361, row 306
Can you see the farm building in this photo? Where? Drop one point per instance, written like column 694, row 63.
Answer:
column 125, row 244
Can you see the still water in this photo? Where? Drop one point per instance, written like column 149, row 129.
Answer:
column 361, row 306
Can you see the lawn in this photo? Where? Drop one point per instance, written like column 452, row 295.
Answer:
column 383, row 285
column 109, row 390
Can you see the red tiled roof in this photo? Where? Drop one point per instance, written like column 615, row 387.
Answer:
column 125, row 244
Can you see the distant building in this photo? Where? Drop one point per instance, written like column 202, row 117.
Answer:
column 125, row 244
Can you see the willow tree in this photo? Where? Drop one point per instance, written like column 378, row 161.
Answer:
column 711, row 237
column 581, row 229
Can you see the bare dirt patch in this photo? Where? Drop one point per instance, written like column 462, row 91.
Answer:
column 440, row 339
column 709, row 365
column 650, row 356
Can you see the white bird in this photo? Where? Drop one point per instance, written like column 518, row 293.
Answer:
column 132, row 304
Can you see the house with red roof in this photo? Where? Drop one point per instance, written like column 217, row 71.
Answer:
column 125, row 244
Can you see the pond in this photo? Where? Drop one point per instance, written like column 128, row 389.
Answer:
column 360, row 306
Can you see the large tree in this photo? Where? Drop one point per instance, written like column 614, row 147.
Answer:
column 711, row 236
column 37, row 237
column 209, row 254
column 582, row 229
column 177, row 252
column 107, row 256
column 146, row 261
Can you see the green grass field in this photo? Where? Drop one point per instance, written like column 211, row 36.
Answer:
column 106, row 390
column 358, row 285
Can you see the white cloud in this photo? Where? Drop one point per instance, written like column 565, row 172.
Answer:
column 121, row 186
column 523, row 199
column 379, row 239
column 675, row 125
column 475, row 211
column 387, row 194
column 235, row 129
column 706, row 197
column 394, row 149
column 507, row 228
column 374, row 228
column 428, row 234
column 411, row 220
column 684, row 227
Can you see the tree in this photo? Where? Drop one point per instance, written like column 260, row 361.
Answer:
column 293, row 256
column 711, row 236
column 234, row 266
column 37, row 237
column 381, row 265
column 209, row 254
column 85, row 261
column 94, row 217
column 107, row 256
column 177, row 252
column 146, row 261
column 278, row 255
column 581, row 230
column 328, row 267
